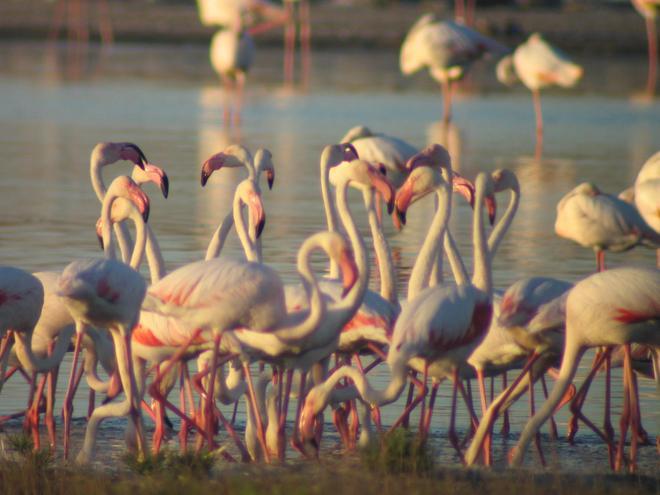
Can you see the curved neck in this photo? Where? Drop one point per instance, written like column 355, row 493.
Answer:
column 354, row 298
column 481, row 277
column 140, row 239
column 154, row 257
column 383, row 254
column 317, row 307
column 430, row 250
column 458, row 269
column 329, row 206
column 34, row 364
column 503, row 225
column 97, row 179
column 219, row 237
column 241, row 229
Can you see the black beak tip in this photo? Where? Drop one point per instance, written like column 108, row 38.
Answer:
column 145, row 215
column 260, row 227
column 390, row 207
column 401, row 215
column 165, row 186
column 204, row 179
column 100, row 238
column 271, row 181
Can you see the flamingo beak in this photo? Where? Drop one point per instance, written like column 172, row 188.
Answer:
column 306, row 424
column 99, row 231
column 257, row 212
column 385, row 188
column 270, row 176
column 464, row 187
column 158, row 176
column 402, row 202
column 349, row 271
column 133, row 153
column 350, row 153
column 114, row 387
column 418, row 160
column 491, row 206
column 211, row 165
column 382, row 169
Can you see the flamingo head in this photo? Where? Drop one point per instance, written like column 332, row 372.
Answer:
column 152, row 173
column 233, row 156
column 420, row 182
column 107, row 153
column 250, row 195
column 315, row 402
column 339, row 250
column 434, row 155
column 350, row 153
column 464, row 187
column 264, row 162
column 125, row 187
column 363, row 176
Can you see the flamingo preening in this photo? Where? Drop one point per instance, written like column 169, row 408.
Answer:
column 537, row 64
column 447, row 49
column 620, row 306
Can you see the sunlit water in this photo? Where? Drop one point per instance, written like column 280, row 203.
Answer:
column 165, row 98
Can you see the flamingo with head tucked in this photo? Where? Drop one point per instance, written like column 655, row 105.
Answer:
column 448, row 49
column 602, row 222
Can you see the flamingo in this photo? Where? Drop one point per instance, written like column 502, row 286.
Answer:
column 422, row 330
column 620, row 306
column 232, row 53
column 601, row 221
column 538, row 64
column 647, row 193
column 76, row 12
column 390, row 151
column 109, row 293
column 447, row 48
column 464, row 13
column 648, row 9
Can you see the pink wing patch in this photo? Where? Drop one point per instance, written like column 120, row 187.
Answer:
column 361, row 320
column 626, row 316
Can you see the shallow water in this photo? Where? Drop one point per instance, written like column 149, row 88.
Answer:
column 165, row 98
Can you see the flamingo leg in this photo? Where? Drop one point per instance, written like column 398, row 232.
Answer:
column 105, row 22
column 67, row 406
column 295, row 438
column 446, row 95
column 305, row 40
column 50, row 404
column 600, row 260
column 255, row 411
column 33, row 415
column 625, row 416
column 536, row 97
column 652, row 38
column 453, row 437
column 422, row 412
column 506, row 426
column 634, row 408
column 427, row 420
column 532, row 411
column 553, row 423
column 578, row 401
column 482, row 390
column 289, row 42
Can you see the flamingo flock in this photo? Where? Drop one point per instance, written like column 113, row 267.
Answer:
column 254, row 338
column 230, row 315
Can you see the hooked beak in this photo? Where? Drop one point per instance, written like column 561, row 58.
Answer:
column 158, row 176
column 99, row 231
column 114, row 387
column 350, row 153
column 491, row 206
column 270, row 176
column 212, row 164
column 349, row 271
column 402, row 202
column 464, row 187
column 385, row 188
column 133, row 153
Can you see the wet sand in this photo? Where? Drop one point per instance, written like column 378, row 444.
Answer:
column 577, row 28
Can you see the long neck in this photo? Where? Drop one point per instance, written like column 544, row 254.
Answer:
column 140, row 239
column 458, row 269
column 503, row 225
column 427, row 254
column 353, row 299
column 363, row 388
column 569, row 364
column 219, row 237
column 317, row 308
column 329, row 206
column 154, row 257
column 34, row 364
column 481, row 277
column 241, row 229
column 383, row 255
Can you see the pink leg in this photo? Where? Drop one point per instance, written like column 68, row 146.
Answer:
column 295, row 438
column 305, row 40
column 652, row 38
column 427, row 421
column 67, row 407
column 600, row 260
column 532, row 411
column 625, row 417
column 553, row 423
column 446, row 107
column 505, row 420
column 34, row 413
column 536, row 97
column 422, row 412
column 105, row 22
column 289, row 42
column 255, row 411
column 482, row 391
column 50, row 404
column 453, row 437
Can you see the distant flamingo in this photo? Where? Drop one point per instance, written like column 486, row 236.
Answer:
column 464, row 13
column 76, row 14
column 231, row 53
column 538, row 64
column 620, row 306
column 447, row 48
column 602, row 222
column 649, row 10
column 109, row 293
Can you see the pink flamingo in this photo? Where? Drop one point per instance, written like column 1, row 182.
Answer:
column 424, row 330
column 447, row 48
column 649, row 10
column 602, row 222
column 538, row 64
column 109, row 293
column 614, row 307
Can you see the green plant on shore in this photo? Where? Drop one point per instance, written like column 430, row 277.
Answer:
column 23, row 446
column 172, row 463
column 400, row 451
